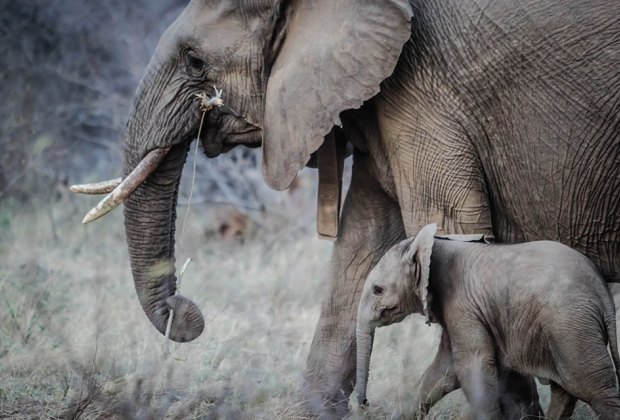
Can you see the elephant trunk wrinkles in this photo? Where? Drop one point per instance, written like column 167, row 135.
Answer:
column 364, row 338
column 150, row 214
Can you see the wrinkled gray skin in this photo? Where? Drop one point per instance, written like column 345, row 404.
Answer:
column 497, row 118
column 540, row 308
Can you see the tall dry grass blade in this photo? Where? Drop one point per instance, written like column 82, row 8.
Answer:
column 206, row 104
column 171, row 317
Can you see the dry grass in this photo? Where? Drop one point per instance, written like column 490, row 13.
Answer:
column 74, row 342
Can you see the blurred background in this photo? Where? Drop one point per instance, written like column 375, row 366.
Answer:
column 69, row 69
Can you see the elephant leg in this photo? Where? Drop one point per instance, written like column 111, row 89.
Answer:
column 562, row 403
column 585, row 368
column 607, row 408
column 439, row 379
column 370, row 224
column 518, row 396
column 475, row 365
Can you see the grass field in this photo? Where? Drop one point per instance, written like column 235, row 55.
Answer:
column 74, row 342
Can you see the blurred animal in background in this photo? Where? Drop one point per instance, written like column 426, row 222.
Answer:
column 538, row 308
column 232, row 225
column 500, row 119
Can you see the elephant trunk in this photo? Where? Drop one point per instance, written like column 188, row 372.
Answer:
column 150, row 214
column 365, row 336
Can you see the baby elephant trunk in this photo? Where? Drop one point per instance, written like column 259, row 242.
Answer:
column 365, row 336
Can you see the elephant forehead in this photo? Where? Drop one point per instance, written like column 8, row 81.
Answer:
column 217, row 30
column 389, row 266
column 223, row 8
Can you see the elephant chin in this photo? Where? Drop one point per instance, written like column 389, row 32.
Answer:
column 223, row 132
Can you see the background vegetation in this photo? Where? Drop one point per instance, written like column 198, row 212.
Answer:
column 74, row 342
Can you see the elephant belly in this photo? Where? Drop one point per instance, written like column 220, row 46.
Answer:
column 576, row 203
column 436, row 174
column 547, row 132
column 533, row 360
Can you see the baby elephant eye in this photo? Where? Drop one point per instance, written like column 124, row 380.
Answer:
column 377, row 290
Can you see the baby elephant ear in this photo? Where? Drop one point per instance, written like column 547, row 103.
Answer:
column 419, row 252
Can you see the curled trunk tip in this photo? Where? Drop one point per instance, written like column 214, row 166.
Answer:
column 187, row 322
column 173, row 315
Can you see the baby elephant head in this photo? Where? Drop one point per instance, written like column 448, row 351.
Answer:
column 396, row 287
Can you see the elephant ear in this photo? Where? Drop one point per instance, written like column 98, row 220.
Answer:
column 419, row 252
column 334, row 56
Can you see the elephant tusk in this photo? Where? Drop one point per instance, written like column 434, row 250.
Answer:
column 147, row 166
column 103, row 187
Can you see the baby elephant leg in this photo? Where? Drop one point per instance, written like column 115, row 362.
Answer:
column 518, row 396
column 586, row 369
column 608, row 407
column 439, row 379
column 562, row 403
column 476, row 369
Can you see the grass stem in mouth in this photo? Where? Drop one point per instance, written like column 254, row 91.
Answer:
column 170, row 318
column 206, row 104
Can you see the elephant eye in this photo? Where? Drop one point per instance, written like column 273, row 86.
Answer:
column 194, row 64
column 377, row 290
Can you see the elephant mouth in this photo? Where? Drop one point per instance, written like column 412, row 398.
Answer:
column 390, row 315
column 215, row 144
column 397, row 317
column 224, row 129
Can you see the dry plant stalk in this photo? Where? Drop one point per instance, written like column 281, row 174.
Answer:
column 207, row 104
column 170, row 318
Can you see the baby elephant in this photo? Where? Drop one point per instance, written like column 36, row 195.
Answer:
column 538, row 308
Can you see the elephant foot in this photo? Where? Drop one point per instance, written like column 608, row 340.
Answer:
column 519, row 397
column 409, row 410
column 324, row 405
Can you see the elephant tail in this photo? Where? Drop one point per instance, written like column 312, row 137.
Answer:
column 610, row 325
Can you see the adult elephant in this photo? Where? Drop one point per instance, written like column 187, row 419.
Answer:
column 499, row 118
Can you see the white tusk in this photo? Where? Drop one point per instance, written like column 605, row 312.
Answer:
column 147, row 166
column 103, row 187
